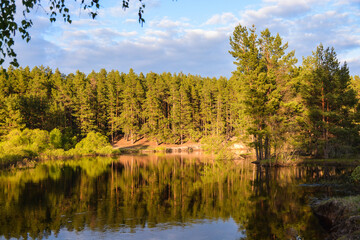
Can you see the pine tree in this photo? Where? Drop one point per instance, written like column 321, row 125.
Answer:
column 153, row 112
column 115, row 85
column 330, row 103
column 133, row 97
column 83, row 99
column 262, row 67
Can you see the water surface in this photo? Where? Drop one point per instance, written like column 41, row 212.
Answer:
column 164, row 197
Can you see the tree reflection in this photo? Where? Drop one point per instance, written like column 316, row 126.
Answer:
column 133, row 192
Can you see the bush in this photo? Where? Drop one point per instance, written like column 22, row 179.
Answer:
column 56, row 138
column 93, row 143
column 19, row 145
column 355, row 175
column 35, row 140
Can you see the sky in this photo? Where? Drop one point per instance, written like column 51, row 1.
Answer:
column 189, row 36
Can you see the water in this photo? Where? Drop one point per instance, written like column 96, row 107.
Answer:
column 164, row 197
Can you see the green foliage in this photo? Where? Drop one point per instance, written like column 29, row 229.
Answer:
column 32, row 143
column 263, row 69
column 26, row 144
column 168, row 108
column 56, row 138
column 35, row 140
column 330, row 118
column 93, row 143
column 355, row 175
column 277, row 108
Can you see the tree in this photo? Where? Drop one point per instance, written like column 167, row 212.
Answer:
column 115, row 83
column 9, row 26
column 330, row 104
column 262, row 67
column 83, row 100
column 154, row 114
column 132, row 102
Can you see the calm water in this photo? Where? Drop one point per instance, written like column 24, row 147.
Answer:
column 164, row 197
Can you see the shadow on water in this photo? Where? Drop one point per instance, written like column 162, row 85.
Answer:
column 135, row 197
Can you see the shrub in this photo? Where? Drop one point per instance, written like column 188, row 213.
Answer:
column 26, row 144
column 56, row 138
column 35, row 140
column 93, row 143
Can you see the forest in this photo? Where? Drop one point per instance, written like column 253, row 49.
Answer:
column 269, row 102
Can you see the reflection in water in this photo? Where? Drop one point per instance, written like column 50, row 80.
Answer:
column 182, row 196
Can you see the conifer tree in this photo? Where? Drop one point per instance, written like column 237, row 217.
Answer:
column 115, row 85
column 153, row 108
column 83, row 99
column 133, row 97
column 330, row 105
column 261, row 68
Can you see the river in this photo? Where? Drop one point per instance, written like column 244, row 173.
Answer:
column 187, row 196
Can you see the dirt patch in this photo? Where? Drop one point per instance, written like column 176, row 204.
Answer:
column 146, row 144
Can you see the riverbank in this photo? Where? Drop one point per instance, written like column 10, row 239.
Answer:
column 340, row 217
column 24, row 149
column 305, row 161
column 147, row 145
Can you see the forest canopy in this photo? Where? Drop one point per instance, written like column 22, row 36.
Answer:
column 269, row 103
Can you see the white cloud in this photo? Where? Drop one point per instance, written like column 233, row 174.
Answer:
column 278, row 8
column 223, row 19
column 167, row 23
column 306, row 24
column 197, row 47
column 131, row 20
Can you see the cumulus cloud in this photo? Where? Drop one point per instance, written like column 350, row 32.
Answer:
column 167, row 23
column 222, row 19
column 197, row 47
column 305, row 24
column 278, row 8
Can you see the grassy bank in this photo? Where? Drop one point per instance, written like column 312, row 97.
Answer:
column 22, row 148
column 340, row 216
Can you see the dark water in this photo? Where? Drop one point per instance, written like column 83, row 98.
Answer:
column 164, row 197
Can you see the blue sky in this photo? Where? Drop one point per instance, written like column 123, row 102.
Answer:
column 189, row 36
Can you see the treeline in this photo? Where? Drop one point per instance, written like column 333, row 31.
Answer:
column 169, row 108
column 312, row 109
column 269, row 102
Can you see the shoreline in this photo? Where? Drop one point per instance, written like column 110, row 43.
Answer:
column 340, row 217
column 31, row 162
column 340, row 162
